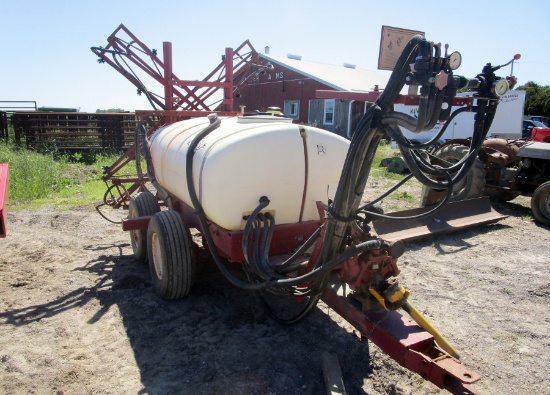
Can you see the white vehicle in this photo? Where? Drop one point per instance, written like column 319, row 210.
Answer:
column 507, row 123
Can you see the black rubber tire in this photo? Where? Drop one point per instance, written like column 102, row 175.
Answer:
column 171, row 259
column 143, row 204
column 469, row 188
column 540, row 204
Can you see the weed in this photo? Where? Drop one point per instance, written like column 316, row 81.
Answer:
column 404, row 196
column 42, row 178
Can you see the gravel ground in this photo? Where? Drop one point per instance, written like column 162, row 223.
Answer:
column 78, row 315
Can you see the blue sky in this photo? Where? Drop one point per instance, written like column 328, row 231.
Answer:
column 46, row 53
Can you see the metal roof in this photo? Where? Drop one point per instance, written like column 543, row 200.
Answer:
column 337, row 77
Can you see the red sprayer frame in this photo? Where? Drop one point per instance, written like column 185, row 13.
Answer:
column 177, row 94
column 179, row 100
column 4, row 189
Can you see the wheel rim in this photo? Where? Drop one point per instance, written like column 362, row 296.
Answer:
column 134, row 235
column 157, row 259
column 135, row 238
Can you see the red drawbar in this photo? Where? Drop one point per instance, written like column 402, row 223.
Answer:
column 407, row 343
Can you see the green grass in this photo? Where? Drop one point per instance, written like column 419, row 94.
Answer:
column 68, row 180
column 384, row 151
column 380, row 180
column 61, row 180
column 404, row 196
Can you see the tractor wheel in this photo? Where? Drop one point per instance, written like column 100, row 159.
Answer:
column 142, row 205
column 540, row 204
column 499, row 195
column 470, row 187
column 171, row 259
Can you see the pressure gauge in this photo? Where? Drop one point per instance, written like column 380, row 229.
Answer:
column 455, row 59
column 500, row 87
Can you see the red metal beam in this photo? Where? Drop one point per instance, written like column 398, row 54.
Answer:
column 4, row 191
column 125, row 49
column 371, row 97
column 183, row 114
column 286, row 238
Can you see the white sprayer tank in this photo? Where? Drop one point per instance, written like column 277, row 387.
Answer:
column 246, row 158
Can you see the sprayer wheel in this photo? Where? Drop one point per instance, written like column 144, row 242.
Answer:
column 143, row 204
column 540, row 204
column 171, row 259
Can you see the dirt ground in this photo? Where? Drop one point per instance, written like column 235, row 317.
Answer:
column 78, row 315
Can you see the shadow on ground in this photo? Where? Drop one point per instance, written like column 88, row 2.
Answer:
column 216, row 340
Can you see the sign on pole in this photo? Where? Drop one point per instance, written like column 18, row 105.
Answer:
column 392, row 42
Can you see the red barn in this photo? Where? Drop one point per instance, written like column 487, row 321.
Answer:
column 291, row 85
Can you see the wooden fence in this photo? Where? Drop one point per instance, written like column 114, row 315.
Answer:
column 74, row 130
column 3, row 126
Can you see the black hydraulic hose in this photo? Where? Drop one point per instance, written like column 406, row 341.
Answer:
column 428, row 111
column 408, row 122
column 432, row 211
column 349, row 252
column 256, row 237
column 269, row 229
column 387, row 193
column 436, row 110
column 425, row 180
column 263, row 248
column 261, row 265
column 361, row 154
column 300, row 251
column 422, row 113
column 202, row 216
column 418, row 165
column 264, row 202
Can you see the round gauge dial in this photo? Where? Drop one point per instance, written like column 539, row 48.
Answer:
column 455, row 59
column 500, row 87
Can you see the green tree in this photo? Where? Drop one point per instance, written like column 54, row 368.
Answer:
column 537, row 100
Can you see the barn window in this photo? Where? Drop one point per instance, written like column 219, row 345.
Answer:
column 328, row 118
column 292, row 109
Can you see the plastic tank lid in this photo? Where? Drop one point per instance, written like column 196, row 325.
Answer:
column 260, row 118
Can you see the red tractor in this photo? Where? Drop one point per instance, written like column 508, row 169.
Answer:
column 541, row 133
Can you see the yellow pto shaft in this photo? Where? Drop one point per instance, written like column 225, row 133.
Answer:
column 397, row 297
